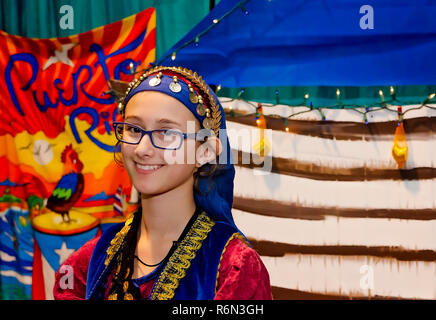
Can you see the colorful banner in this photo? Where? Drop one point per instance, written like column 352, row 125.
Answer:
column 59, row 184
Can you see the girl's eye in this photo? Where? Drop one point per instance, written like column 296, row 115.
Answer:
column 168, row 132
column 133, row 129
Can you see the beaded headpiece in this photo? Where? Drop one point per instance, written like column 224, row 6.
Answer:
column 184, row 85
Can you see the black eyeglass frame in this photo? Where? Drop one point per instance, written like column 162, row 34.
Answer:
column 198, row 136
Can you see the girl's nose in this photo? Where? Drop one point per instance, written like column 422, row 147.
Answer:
column 145, row 148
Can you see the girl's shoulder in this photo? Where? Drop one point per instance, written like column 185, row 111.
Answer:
column 242, row 275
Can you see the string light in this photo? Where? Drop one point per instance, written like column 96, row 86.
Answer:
column 392, row 91
column 240, row 94
column 400, row 115
column 338, row 96
column 306, row 96
column 400, row 120
column 218, row 88
column 322, row 114
column 430, row 97
column 382, row 97
column 232, row 114
column 376, row 106
column 259, row 107
column 195, row 40
column 205, row 31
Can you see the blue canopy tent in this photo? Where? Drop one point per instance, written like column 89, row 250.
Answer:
column 271, row 43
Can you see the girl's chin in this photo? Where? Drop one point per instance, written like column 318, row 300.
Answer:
column 148, row 190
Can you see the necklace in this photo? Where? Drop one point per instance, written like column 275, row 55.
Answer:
column 175, row 243
column 155, row 265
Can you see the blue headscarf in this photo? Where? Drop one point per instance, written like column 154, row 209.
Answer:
column 216, row 196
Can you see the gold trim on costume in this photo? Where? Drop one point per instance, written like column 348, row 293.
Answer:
column 233, row 236
column 180, row 260
column 113, row 296
column 117, row 241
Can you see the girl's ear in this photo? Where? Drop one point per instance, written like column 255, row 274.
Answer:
column 208, row 151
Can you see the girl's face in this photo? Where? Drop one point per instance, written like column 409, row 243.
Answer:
column 169, row 169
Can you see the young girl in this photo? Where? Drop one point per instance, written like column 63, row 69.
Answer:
column 182, row 242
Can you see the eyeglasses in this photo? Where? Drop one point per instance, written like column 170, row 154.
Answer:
column 168, row 139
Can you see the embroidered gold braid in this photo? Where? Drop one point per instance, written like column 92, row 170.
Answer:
column 181, row 259
column 233, row 236
column 194, row 78
column 117, row 241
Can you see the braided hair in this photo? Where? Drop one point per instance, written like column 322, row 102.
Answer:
column 121, row 284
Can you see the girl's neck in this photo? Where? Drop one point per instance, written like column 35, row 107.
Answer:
column 164, row 216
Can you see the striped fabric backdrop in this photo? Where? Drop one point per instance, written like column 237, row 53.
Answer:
column 334, row 217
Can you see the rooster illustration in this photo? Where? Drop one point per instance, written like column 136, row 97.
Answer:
column 70, row 187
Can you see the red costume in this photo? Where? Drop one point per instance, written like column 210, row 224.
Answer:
column 242, row 275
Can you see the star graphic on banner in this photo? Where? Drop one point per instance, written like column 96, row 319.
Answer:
column 3, row 216
column 60, row 56
column 63, row 252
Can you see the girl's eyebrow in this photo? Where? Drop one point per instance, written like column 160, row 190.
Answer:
column 160, row 121
column 168, row 121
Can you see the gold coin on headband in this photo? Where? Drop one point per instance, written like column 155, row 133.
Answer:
column 193, row 97
column 201, row 110
column 207, row 123
column 154, row 82
column 175, row 87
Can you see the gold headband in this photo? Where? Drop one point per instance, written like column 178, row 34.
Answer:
column 206, row 101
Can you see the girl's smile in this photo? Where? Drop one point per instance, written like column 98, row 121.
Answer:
column 147, row 169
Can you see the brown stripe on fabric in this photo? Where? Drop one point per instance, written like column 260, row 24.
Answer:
column 312, row 171
column 416, row 128
column 278, row 249
column 280, row 293
column 273, row 208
